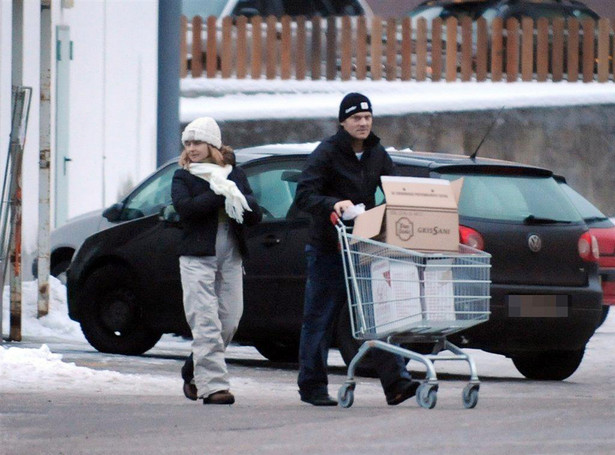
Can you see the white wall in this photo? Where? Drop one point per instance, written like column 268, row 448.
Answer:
column 113, row 91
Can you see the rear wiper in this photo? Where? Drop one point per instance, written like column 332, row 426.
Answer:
column 592, row 219
column 531, row 219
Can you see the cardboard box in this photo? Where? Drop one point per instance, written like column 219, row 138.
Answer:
column 419, row 214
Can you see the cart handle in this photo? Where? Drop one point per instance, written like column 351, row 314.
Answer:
column 335, row 220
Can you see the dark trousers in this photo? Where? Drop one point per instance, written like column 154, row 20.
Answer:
column 325, row 293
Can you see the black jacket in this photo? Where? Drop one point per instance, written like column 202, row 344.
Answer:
column 333, row 173
column 198, row 207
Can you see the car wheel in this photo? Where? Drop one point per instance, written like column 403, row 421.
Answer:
column 111, row 314
column 59, row 270
column 277, row 351
column 549, row 366
column 349, row 346
column 605, row 313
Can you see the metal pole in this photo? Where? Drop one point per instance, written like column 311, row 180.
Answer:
column 44, row 177
column 168, row 134
column 16, row 78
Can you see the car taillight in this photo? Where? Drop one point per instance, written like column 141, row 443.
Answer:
column 588, row 248
column 470, row 237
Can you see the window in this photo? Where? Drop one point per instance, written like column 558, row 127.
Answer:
column 150, row 197
column 274, row 187
column 513, row 198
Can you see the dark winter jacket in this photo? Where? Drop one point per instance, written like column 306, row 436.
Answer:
column 198, row 208
column 333, row 173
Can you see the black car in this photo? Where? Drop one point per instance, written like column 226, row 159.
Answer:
column 124, row 287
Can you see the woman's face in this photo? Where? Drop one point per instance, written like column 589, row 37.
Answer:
column 198, row 151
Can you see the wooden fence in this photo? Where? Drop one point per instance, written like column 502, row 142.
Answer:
column 344, row 48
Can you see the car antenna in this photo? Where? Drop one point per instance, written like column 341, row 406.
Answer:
column 473, row 155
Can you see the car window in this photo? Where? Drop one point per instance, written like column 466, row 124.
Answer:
column 513, row 198
column 151, row 196
column 587, row 210
column 274, row 185
column 203, row 8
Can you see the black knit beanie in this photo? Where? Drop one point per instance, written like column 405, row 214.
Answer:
column 353, row 103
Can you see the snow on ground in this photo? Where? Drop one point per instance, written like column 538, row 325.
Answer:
column 231, row 99
column 26, row 370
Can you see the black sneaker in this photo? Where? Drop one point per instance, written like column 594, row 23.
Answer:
column 402, row 391
column 318, row 399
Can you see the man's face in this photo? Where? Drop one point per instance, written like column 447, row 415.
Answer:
column 358, row 125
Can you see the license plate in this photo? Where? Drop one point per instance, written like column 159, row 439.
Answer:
column 537, row 306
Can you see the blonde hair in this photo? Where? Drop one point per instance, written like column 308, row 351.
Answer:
column 222, row 156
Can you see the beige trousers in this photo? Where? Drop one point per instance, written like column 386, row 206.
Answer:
column 213, row 302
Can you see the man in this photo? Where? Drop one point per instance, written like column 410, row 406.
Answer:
column 342, row 171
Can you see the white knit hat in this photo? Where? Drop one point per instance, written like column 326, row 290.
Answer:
column 203, row 129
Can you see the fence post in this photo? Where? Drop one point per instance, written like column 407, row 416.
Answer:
column 451, row 49
column 257, row 47
column 421, row 49
column 361, row 71
column 406, row 49
column 212, row 47
column 481, row 49
column 346, row 46
column 512, row 50
column 466, row 49
column 603, row 50
column 196, row 67
column 183, row 48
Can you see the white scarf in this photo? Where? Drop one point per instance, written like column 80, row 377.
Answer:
column 235, row 203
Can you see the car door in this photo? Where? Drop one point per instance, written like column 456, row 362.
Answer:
column 275, row 269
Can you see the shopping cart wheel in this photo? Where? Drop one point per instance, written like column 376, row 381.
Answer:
column 427, row 395
column 470, row 395
column 345, row 395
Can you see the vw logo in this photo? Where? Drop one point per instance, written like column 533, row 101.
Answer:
column 535, row 243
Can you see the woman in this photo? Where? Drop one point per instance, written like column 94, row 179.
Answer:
column 214, row 201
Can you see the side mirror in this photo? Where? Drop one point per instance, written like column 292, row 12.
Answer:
column 169, row 215
column 113, row 213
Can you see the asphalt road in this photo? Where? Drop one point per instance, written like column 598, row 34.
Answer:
column 513, row 415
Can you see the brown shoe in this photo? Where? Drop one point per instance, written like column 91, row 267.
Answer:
column 190, row 391
column 221, row 397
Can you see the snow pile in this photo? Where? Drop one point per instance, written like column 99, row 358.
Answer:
column 55, row 324
column 27, row 370
column 247, row 99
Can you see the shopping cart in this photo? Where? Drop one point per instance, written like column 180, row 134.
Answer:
column 398, row 296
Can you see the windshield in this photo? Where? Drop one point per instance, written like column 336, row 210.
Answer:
column 587, row 210
column 514, row 198
column 203, row 8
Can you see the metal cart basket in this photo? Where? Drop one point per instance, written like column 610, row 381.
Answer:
column 397, row 296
